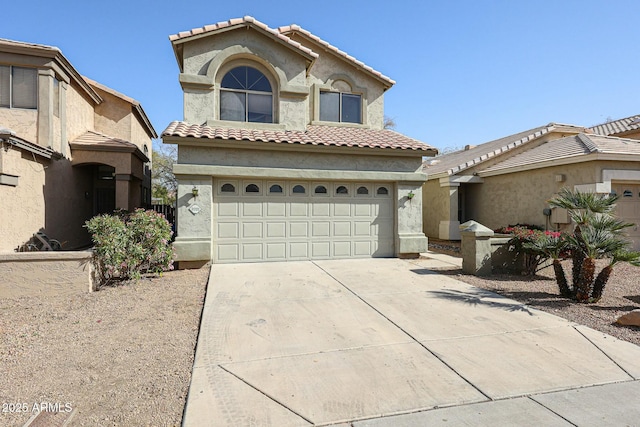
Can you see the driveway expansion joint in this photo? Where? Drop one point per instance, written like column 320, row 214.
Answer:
column 605, row 353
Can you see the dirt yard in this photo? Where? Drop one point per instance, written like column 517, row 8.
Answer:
column 118, row 357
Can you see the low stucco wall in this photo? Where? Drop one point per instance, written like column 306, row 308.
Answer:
column 27, row 274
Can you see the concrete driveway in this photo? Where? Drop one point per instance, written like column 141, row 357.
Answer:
column 388, row 342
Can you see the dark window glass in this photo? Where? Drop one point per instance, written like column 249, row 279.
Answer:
column 362, row 190
column 246, row 96
column 330, row 106
column 351, row 108
column 342, row 190
column 228, row 188
column 340, row 107
column 299, row 189
column 321, row 189
column 18, row 87
column 275, row 188
column 627, row 193
column 382, row 190
column 252, row 188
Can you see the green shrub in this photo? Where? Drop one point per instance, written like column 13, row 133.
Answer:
column 528, row 243
column 129, row 244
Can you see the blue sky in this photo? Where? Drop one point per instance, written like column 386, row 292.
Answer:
column 467, row 71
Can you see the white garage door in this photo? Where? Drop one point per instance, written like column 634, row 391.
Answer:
column 299, row 220
column 628, row 209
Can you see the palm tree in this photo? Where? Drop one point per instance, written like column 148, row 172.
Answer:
column 597, row 234
column 552, row 246
column 582, row 208
column 631, row 257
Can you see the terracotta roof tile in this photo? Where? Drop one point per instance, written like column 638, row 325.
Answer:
column 247, row 20
column 313, row 135
column 97, row 138
column 297, row 29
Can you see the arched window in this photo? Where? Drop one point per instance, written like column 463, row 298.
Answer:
column 275, row 188
column 362, row 190
column 246, row 96
column 299, row 189
column 252, row 188
column 228, row 188
column 342, row 190
column 321, row 189
column 382, row 190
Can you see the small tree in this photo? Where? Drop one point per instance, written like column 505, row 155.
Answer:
column 598, row 234
column 127, row 245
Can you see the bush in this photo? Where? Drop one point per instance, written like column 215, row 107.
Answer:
column 528, row 244
column 129, row 244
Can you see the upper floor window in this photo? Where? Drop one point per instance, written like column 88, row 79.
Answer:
column 246, row 96
column 18, row 87
column 340, row 107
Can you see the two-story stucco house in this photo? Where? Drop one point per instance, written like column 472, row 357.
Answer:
column 70, row 148
column 282, row 153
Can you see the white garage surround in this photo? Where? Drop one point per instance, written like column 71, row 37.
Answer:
column 279, row 220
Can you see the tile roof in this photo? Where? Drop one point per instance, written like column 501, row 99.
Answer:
column 618, row 126
column 236, row 22
column 92, row 140
column 567, row 148
column 453, row 163
column 292, row 29
column 313, row 135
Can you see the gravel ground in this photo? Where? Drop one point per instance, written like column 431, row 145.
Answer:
column 621, row 295
column 121, row 356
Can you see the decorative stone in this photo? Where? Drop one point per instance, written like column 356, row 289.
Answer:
column 630, row 319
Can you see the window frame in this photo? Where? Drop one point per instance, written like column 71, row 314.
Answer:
column 340, row 106
column 246, row 92
column 11, row 88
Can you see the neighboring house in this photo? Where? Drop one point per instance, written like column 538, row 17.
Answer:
column 629, row 127
column 71, row 148
column 510, row 180
column 282, row 154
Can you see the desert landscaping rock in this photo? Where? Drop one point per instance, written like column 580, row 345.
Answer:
column 121, row 356
column 630, row 319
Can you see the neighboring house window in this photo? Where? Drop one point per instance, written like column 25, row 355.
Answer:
column 340, row 107
column 246, row 96
column 18, row 87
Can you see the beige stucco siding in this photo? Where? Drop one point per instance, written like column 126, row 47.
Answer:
column 435, row 207
column 296, row 159
column 521, row 197
column 22, row 207
column 23, row 122
column 80, row 115
column 113, row 117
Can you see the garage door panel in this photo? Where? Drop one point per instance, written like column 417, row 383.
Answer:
column 362, row 248
column 362, row 229
column 342, row 208
column 342, row 249
column 342, row 228
column 252, row 209
column 321, row 209
column 276, row 230
column 251, row 230
column 320, row 249
column 227, row 210
column 228, row 230
column 320, row 228
column 299, row 209
column 298, row 229
column 362, row 209
column 252, row 251
column 298, row 250
column 228, row 252
column 276, row 251
column 276, row 209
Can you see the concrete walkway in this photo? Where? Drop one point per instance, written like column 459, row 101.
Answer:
column 389, row 342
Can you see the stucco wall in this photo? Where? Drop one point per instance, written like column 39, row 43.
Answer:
column 521, row 197
column 435, row 207
column 23, row 122
column 22, row 208
column 113, row 117
column 310, row 159
column 80, row 116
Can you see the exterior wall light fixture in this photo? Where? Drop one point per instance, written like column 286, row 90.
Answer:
column 411, row 195
column 194, row 192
